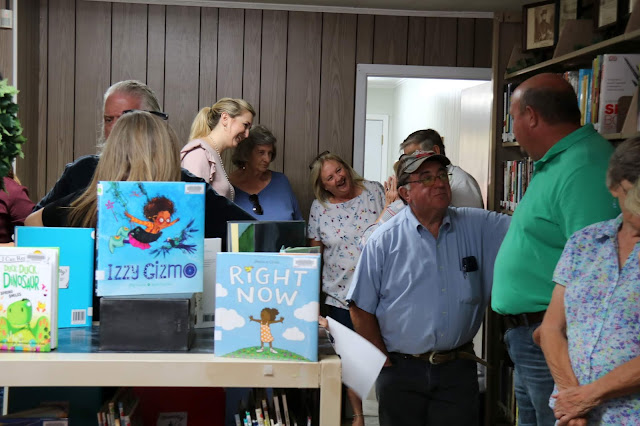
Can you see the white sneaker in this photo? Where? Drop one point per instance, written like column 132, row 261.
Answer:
column 273, row 351
column 260, row 350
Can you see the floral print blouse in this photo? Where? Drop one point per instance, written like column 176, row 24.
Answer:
column 602, row 308
column 339, row 228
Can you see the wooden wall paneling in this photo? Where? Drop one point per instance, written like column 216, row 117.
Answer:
column 28, row 78
column 251, row 69
column 440, row 42
column 129, row 42
column 43, row 92
column 303, row 101
column 465, row 42
column 155, row 50
column 415, row 41
column 182, row 67
column 273, row 77
column 482, row 43
column 6, row 54
column 364, row 40
column 60, row 113
column 93, row 59
column 208, row 56
column 337, row 85
column 390, row 39
column 230, row 52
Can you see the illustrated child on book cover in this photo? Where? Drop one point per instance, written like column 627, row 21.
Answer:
column 267, row 317
column 150, row 238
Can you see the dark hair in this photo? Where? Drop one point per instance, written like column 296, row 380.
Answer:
column 157, row 205
column 258, row 135
column 554, row 105
column 427, row 138
column 273, row 312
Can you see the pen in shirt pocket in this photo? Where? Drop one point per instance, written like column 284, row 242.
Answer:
column 468, row 264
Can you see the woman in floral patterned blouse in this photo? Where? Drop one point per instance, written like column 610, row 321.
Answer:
column 591, row 331
column 344, row 207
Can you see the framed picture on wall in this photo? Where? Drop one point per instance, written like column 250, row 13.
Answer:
column 606, row 13
column 539, row 25
column 565, row 10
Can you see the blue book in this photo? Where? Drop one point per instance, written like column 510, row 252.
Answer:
column 150, row 238
column 75, row 288
column 267, row 306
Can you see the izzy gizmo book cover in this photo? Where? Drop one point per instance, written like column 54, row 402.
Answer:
column 150, row 238
column 267, row 306
column 28, row 299
column 75, row 283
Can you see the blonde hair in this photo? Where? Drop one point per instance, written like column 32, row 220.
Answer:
column 624, row 164
column 209, row 117
column 141, row 147
column 321, row 194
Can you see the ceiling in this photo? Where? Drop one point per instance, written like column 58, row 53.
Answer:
column 411, row 5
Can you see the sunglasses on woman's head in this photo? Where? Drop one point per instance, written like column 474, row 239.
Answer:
column 162, row 115
column 319, row 156
column 257, row 208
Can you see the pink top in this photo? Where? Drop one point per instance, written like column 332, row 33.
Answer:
column 200, row 159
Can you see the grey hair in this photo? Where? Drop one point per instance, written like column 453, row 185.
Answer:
column 624, row 164
column 258, row 135
column 427, row 138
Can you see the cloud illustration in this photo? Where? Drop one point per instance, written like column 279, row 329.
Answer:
column 308, row 312
column 221, row 291
column 293, row 333
column 228, row 319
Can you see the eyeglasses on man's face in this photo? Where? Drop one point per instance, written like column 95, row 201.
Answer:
column 162, row 115
column 428, row 181
column 257, row 208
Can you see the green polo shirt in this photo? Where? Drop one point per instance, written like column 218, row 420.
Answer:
column 567, row 193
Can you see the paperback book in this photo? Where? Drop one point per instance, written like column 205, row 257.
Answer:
column 206, row 301
column 28, row 299
column 75, row 278
column 267, row 306
column 150, row 238
column 265, row 236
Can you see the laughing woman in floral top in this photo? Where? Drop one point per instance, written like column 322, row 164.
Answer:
column 344, row 207
column 591, row 332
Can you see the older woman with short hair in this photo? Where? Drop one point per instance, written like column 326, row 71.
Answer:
column 590, row 335
column 265, row 194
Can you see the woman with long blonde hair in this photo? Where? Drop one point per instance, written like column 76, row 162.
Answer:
column 214, row 130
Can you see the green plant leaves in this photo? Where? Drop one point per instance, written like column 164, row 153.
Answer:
column 11, row 138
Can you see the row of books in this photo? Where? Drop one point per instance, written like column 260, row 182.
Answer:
column 604, row 93
column 279, row 407
column 517, row 175
column 47, row 414
column 120, row 410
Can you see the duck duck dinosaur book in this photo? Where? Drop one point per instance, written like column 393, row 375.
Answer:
column 267, row 306
column 150, row 238
column 28, row 299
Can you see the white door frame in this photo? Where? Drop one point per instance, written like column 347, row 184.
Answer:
column 385, row 137
column 401, row 71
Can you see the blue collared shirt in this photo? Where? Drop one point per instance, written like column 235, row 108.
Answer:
column 414, row 284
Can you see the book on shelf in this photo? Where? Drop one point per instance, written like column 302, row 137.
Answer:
column 265, row 236
column 517, row 175
column 47, row 414
column 75, row 279
column 206, row 301
column 178, row 418
column 267, row 306
column 584, row 94
column 619, row 80
column 150, row 238
column 29, row 299
column 121, row 409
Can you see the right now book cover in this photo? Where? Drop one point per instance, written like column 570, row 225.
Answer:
column 267, row 306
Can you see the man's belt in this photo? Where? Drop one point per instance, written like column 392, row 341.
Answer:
column 522, row 320
column 439, row 357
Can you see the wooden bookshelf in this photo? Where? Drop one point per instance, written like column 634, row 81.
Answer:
column 621, row 136
column 624, row 43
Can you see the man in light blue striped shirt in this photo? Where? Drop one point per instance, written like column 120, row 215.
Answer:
column 419, row 294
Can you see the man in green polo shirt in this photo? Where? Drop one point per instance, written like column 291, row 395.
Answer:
column 567, row 193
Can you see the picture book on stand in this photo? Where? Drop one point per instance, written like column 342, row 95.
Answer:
column 75, row 288
column 267, row 306
column 150, row 238
column 265, row 236
column 28, row 299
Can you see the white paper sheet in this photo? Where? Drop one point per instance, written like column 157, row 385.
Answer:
column 361, row 360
